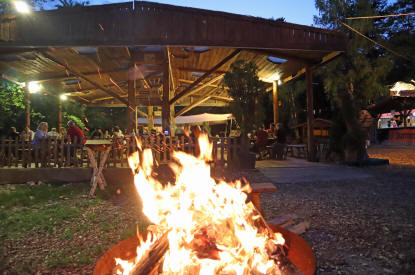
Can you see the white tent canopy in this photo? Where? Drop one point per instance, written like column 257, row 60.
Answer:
column 400, row 88
column 206, row 117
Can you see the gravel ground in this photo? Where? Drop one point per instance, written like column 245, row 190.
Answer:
column 358, row 227
column 397, row 155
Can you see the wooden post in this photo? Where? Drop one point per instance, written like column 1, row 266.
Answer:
column 275, row 100
column 172, row 121
column 131, row 108
column 165, row 108
column 59, row 114
column 150, row 117
column 27, row 103
column 310, row 115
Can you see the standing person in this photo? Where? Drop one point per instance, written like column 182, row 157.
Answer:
column 27, row 134
column 13, row 134
column 38, row 142
column 75, row 132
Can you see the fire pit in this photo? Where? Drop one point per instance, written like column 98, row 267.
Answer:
column 299, row 253
column 202, row 226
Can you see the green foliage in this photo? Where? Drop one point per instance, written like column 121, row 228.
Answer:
column 364, row 67
column 247, row 91
column 401, row 37
column 68, row 4
column 12, row 105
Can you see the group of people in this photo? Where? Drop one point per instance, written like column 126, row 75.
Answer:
column 73, row 131
column 275, row 137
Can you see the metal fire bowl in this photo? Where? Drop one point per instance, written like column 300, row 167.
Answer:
column 299, row 253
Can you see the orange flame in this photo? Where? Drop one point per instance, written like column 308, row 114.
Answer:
column 211, row 229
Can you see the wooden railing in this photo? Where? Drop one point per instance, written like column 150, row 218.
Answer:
column 54, row 152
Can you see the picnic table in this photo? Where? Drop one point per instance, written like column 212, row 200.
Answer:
column 97, row 148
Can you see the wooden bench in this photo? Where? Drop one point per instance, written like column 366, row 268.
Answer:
column 257, row 190
column 297, row 150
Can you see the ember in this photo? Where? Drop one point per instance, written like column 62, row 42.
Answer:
column 201, row 226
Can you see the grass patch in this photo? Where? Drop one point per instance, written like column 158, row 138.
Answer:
column 24, row 195
column 62, row 225
column 42, row 220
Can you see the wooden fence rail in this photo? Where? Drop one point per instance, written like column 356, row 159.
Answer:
column 62, row 152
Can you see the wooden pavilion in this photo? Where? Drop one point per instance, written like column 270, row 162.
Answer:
column 149, row 54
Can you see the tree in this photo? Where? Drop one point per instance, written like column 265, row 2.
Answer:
column 364, row 67
column 67, row 4
column 247, row 91
column 400, row 32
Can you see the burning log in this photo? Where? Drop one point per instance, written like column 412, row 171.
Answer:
column 150, row 261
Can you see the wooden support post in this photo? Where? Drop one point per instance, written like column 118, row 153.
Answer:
column 59, row 114
column 165, row 105
column 150, row 117
column 310, row 115
column 27, row 103
column 131, row 108
column 275, row 100
column 172, row 120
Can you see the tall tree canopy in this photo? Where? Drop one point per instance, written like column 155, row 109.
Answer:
column 400, row 32
column 364, row 67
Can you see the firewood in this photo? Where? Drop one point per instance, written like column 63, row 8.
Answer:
column 284, row 220
column 152, row 257
column 298, row 228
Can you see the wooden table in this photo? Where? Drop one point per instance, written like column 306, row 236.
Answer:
column 94, row 148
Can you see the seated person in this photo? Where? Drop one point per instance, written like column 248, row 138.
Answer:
column 261, row 140
column 280, row 144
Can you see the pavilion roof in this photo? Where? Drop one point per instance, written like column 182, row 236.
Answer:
column 87, row 52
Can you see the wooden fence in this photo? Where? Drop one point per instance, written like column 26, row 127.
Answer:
column 54, row 152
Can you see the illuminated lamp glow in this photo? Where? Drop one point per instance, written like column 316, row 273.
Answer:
column 22, row 7
column 34, row 87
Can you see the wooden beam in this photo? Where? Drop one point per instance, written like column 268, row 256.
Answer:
column 57, row 77
column 165, row 108
column 210, row 85
column 189, row 89
column 119, row 105
column 288, row 57
column 198, row 88
column 131, row 115
column 198, row 70
column 275, row 100
column 150, row 117
column 310, row 115
column 75, row 72
column 222, row 98
column 196, row 103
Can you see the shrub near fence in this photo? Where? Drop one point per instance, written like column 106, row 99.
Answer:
column 62, row 152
